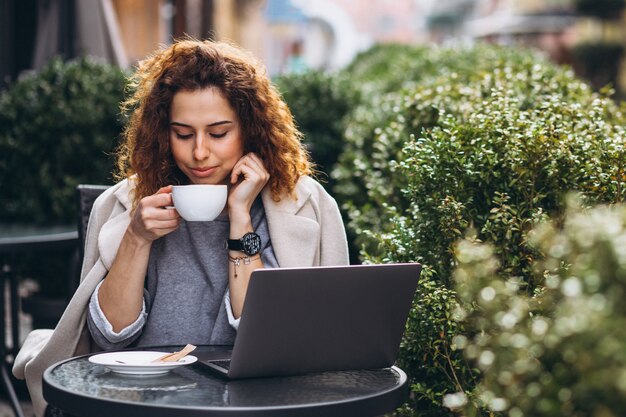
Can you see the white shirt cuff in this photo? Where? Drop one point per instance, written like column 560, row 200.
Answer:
column 105, row 326
column 229, row 312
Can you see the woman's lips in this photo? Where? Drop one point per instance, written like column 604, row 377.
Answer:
column 202, row 172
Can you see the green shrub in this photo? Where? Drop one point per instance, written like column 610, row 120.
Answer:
column 367, row 178
column 323, row 103
column 504, row 166
column 58, row 129
column 491, row 142
column 559, row 352
column 319, row 103
column 385, row 68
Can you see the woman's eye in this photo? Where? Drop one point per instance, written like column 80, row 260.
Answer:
column 218, row 135
column 181, row 136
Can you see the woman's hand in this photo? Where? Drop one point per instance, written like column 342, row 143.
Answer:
column 151, row 219
column 248, row 178
column 121, row 293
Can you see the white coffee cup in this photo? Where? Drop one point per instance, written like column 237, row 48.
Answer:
column 199, row 202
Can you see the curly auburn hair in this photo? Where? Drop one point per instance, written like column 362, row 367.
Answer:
column 267, row 125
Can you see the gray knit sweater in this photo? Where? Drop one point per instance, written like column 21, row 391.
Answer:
column 185, row 297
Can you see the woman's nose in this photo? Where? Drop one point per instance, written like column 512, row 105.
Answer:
column 201, row 149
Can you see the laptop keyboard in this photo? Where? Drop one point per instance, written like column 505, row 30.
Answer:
column 223, row 363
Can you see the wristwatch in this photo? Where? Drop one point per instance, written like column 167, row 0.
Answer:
column 250, row 244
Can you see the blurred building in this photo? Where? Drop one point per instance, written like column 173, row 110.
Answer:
column 548, row 25
column 592, row 39
column 118, row 31
column 287, row 27
column 287, row 34
column 332, row 32
column 292, row 35
column 385, row 21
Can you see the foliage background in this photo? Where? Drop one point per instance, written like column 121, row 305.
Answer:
column 484, row 139
column 422, row 147
column 559, row 352
column 58, row 129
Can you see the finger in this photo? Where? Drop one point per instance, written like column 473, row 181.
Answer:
column 161, row 225
column 256, row 173
column 257, row 160
column 161, row 228
column 167, row 213
column 245, row 159
column 159, row 199
column 160, row 213
column 166, row 189
column 252, row 158
column 237, row 171
column 255, row 163
column 259, row 165
column 250, row 174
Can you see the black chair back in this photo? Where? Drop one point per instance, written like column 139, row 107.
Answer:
column 86, row 195
column 46, row 311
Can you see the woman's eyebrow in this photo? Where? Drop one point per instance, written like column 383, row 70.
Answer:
column 223, row 122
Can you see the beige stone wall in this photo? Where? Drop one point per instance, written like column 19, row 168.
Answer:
column 142, row 27
column 242, row 22
column 145, row 24
column 253, row 28
column 225, row 20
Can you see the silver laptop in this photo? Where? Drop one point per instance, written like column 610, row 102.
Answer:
column 303, row 320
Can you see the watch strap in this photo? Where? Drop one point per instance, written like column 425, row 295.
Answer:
column 250, row 244
column 234, row 244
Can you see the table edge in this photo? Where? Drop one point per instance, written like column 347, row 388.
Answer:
column 396, row 395
column 9, row 244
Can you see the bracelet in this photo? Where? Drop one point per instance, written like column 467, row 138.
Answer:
column 246, row 261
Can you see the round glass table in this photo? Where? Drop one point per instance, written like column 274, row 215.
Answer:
column 81, row 388
column 15, row 240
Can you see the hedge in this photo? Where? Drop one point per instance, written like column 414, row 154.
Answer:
column 491, row 142
column 58, row 128
column 559, row 352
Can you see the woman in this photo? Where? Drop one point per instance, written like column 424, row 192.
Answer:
column 201, row 113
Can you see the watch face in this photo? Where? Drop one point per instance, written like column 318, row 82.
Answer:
column 251, row 243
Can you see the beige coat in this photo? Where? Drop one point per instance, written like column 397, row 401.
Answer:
column 307, row 231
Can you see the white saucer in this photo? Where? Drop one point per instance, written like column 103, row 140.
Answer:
column 138, row 362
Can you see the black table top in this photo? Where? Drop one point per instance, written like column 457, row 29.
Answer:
column 19, row 237
column 81, row 388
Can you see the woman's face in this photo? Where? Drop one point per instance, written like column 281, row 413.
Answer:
column 205, row 136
